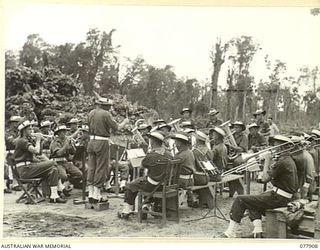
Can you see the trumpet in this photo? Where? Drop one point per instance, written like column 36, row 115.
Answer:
column 43, row 136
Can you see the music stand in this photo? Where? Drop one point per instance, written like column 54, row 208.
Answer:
column 211, row 168
column 80, row 154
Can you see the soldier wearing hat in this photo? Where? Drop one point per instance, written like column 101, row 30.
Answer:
column 62, row 149
column 299, row 158
column 240, row 137
column 45, row 128
column 142, row 139
column 32, row 165
column 168, row 142
column 219, row 151
column 100, row 124
column 154, row 162
column 284, row 178
column 11, row 137
column 186, row 115
column 182, row 142
column 73, row 125
column 213, row 119
column 255, row 139
column 264, row 128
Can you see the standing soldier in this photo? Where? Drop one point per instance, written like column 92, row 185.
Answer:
column 100, row 123
column 284, row 178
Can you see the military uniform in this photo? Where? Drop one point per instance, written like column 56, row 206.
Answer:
column 257, row 140
column 31, row 167
column 67, row 170
column 155, row 163
column 285, row 181
column 100, row 123
column 187, row 168
column 215, row 123
column 264, row 128
column 219, row 156
column 242, row 141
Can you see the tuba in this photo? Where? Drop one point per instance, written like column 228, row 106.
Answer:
column 137, row 135
column 229, row 140
column 175, row 124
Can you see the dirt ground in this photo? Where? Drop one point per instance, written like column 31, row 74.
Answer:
column 70, row 220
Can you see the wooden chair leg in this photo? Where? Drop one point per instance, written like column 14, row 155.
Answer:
column 177, row 207
column 164, row 210
column 139, row 207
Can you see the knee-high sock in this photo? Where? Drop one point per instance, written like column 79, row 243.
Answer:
column 90, row 190
column 96, row 193
column 257, row 226
column 54, row 192
column 232, row 229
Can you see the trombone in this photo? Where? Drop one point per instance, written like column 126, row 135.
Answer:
column 258, row 156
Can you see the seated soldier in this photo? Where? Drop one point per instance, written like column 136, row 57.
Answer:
column 302, row 160
column 11, row 137
column 219, row 154
column 45, row 128
column 32, row 165
column 182, row 142
column 255, row 139
column 186, row 115
column 284, row 178
column 241, row 140
column 168, row 142
column 62, row 148
column 154, row 176
column 213, row 119
column 140, row 138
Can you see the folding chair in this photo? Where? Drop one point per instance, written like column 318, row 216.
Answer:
column 167, row 188
column 31, row 191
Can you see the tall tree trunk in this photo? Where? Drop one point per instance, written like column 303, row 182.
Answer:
column 217, row 61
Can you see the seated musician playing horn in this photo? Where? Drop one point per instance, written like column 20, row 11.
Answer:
column 155, row 174
column 61, row 149
column 284, row 178
column 30, row 164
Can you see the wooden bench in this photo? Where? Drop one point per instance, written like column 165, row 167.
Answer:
column 276, row 224
column 207, row 192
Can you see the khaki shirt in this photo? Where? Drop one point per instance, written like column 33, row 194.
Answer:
column 220, row 156
column 284, row 175
column 188, row 162
column 101, row 122
column 242, row 141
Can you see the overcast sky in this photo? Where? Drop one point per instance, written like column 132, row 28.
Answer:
column 178, row 36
